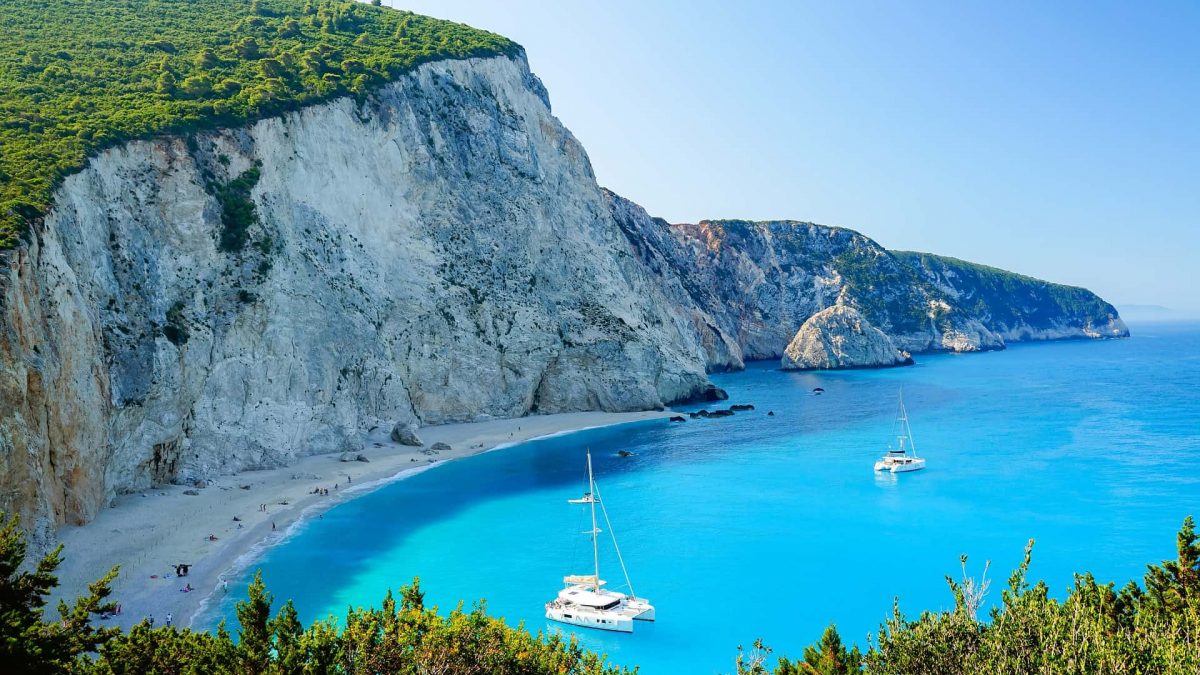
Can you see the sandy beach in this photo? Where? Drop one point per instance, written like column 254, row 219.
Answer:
column 148, row 533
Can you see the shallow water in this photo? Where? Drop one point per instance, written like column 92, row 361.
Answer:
column 775, row 526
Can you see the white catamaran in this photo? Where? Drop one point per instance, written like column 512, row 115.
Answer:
column 584, row 601
column 903, row 457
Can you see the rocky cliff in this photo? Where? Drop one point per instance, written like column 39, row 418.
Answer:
column 229, row 300
column 438, row 251
column 749, row 286
column 1015, row 306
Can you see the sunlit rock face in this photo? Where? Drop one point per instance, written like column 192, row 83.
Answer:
column 439, row 253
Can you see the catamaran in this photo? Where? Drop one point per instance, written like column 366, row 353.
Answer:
column 903, row 457
column 584, row 601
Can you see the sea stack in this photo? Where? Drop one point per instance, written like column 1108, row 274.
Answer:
column 839, row 337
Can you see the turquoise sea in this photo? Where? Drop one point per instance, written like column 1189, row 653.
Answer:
column 775, row 526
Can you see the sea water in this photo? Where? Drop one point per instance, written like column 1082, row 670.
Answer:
column 775, row 526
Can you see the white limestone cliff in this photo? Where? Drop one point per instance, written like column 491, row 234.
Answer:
column 439, row 252
column 752, row 284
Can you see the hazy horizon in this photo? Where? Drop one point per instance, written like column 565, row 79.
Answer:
column 1060, row 142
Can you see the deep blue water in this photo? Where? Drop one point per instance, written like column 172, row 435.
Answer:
column 773, row 527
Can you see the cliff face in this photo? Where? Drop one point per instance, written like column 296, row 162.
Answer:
column 1018, row 307
column 234, row 299
column 440, row 252
column 751, row 285
column 756, row 283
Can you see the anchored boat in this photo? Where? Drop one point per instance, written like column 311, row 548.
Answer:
column 584, row 601
column 903, row 456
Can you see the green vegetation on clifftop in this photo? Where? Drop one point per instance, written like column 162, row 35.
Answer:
column 77, row 76
column 1009, row 298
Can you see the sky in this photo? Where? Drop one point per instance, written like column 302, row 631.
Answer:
column 1059, row 140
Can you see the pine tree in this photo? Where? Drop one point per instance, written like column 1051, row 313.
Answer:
column 27, row 643
column 254, row 636
column 1173, row 585
column 289, row 646
column 827, row 657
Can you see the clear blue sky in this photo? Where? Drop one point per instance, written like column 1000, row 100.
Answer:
column 1057, row 139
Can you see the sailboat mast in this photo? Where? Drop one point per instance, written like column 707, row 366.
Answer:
column 907, row 429
column 595, row 544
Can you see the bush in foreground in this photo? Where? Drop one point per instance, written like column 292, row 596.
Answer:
column 399, row 637
column 1151, row 628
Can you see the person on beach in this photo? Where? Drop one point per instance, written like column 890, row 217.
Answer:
column 169, row 618
column 150, row 620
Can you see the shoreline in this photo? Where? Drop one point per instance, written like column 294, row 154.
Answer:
column 149, row 532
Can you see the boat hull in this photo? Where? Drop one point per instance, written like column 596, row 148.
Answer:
column 584, row 618
column 890, row 467
column 645, row 610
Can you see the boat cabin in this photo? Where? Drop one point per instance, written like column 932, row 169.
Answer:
column 585, row 598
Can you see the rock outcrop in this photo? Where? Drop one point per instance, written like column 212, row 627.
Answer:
column 405, row 433
column 839, row 337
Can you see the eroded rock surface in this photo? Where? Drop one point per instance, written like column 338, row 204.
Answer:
column 439, row 253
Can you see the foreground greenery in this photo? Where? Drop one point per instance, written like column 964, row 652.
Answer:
column 1151, row 628
column 399, row 637
column 1148, row 628
column 77, row 76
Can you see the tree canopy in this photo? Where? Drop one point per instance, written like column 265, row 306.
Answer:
column 77, row 76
